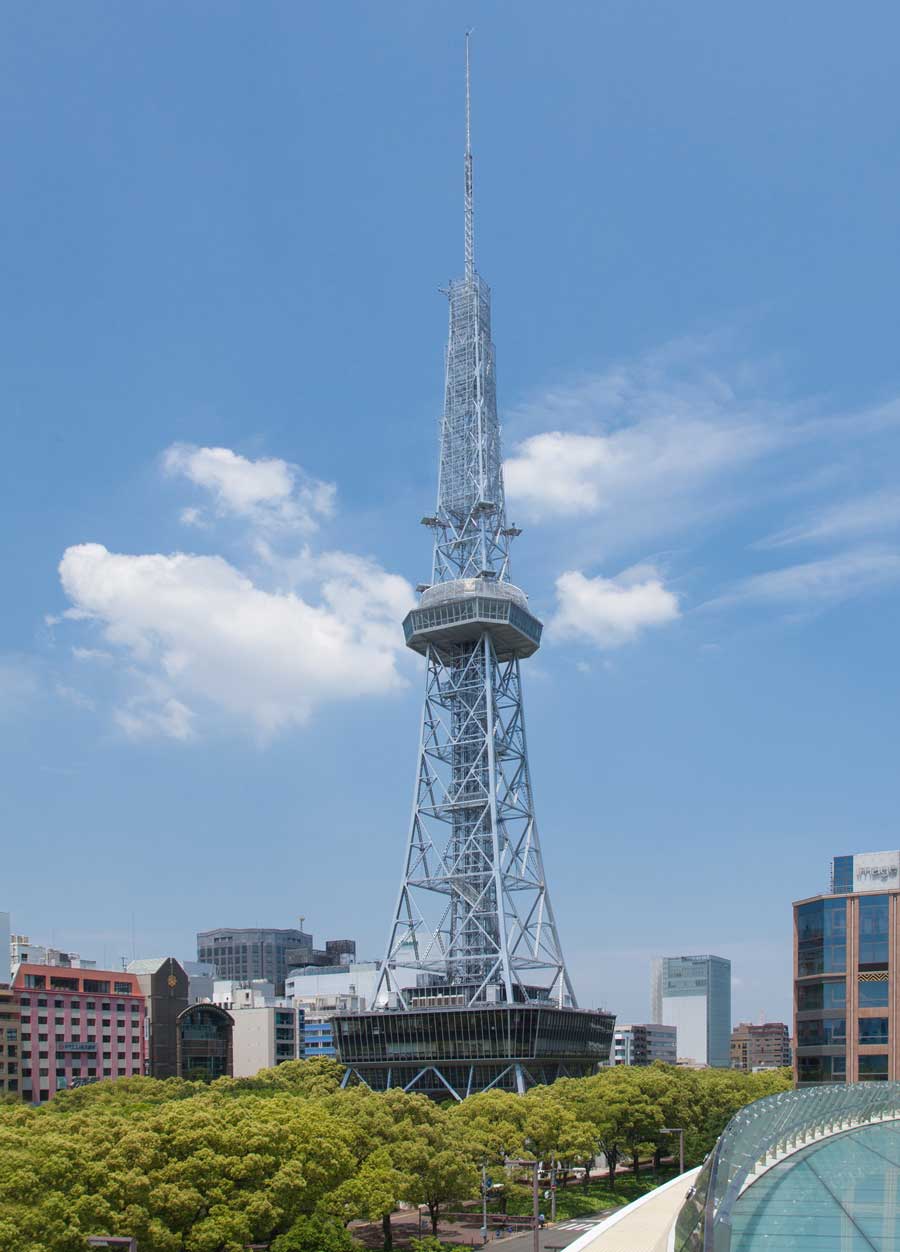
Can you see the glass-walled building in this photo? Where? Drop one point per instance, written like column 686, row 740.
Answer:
column 845, row 974
column 693, row 994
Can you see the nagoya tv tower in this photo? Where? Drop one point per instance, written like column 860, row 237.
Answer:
column 473, row 983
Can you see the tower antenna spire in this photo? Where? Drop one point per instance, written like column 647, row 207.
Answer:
column 470, row 213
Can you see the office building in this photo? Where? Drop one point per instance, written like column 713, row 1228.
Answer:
column 357, row 980
column 248, row 954
column 763, row 1046
column 164, row 985
column 336, row 952
column 475, row 987
column 644, row 1044
column 205, row 1043
column 252, row 954
column 693, row 994
column 267, row 1029
column 265, row 1036
column 9, row 1041
column 23, row 952
column 846, row 974
column 77, row 1027
column 201, row 977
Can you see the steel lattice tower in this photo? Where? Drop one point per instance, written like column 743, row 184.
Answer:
column 473, row 925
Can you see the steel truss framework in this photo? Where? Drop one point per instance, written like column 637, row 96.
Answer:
column 473, row 922
column 462, row 1081
column 474, row 919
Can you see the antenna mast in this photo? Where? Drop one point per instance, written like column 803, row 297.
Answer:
column 470, row 216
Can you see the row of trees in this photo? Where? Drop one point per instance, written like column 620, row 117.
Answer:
column 288, row 1158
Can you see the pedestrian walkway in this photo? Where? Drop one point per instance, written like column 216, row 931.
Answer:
column 642, row 1226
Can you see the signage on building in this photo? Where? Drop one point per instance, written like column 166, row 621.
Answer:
column 876, row 871
column 75, row 1046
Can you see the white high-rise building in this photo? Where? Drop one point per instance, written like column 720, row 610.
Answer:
column 693, row 993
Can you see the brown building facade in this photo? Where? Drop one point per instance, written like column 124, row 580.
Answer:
column 764, row 1046
column 847, row 974
column 165, row 986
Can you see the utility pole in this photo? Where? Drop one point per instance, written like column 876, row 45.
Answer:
column 537, row 1209
column 536, row 1197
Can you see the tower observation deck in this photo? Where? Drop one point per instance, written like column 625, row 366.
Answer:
column 473, row 989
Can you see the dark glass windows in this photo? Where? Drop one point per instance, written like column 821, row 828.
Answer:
column 873, row 1030
column 873, row 932
column 822, row 937
column 842, row 875
column 873, row 1068
column 819, row 1031
column 821, row 1069
column 821, row 995
column 873, row 995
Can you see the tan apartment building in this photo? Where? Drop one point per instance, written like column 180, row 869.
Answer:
column 762, row 1046
column 847, row 974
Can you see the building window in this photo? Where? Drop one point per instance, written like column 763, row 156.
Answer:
column 873, row 995
column 818, row 1032
column 821, row 1069
column 873, row 1030
column 873, row 932
column 822, row 937
column 821, row 995
column 873, row 1068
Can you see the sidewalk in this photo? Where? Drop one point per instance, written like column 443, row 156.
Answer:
column 644, row 1225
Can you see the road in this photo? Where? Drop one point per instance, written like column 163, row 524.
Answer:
column 551, row 1237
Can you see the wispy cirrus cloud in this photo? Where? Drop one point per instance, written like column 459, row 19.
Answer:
column 815, row 583
column 869, row 514
column 641, row 445
column 691, row 444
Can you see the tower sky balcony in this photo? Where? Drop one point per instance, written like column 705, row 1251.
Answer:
column 461, row 610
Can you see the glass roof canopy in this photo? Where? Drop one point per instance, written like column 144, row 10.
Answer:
column 743, row 1201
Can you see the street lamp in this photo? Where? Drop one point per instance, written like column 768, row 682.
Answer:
column 679, row 1131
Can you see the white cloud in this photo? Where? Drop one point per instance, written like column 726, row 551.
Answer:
column 142, row 719
column 91, row 654
column 813, row 583
column 879, row 511
column 565, row 474
column 611, row 611
column 269, row 493
column 645, row 448
column 203, row 637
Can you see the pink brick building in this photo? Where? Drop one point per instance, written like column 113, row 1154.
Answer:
column 78, row 1026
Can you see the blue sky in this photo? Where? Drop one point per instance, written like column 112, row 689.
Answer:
column 223, row 236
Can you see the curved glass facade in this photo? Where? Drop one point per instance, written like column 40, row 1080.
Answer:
column 205, row 1042
column 718, row 1214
